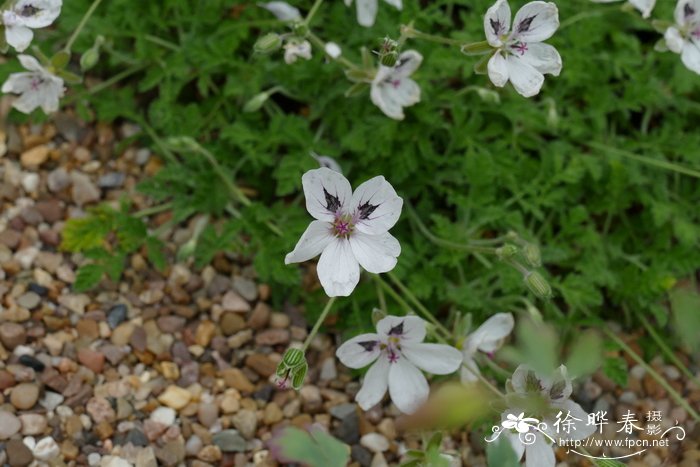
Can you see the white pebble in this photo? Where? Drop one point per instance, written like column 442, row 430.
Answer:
column 30, row 182
column 164, row 416
column 46, row 449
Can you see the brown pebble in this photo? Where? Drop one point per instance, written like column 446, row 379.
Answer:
column 261, row 364
column 92, row 359
column 18, row 455
column 231, row 323
column 235, row 378
column 12, row 335
column 24, row 396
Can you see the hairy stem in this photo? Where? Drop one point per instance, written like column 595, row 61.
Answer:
column 81, row 25
column 419, row 306
column 319, row 321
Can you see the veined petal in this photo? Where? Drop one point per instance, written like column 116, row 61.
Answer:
column 18, row 83
column 408, row 328
column 391, row 97
column 558, row 385
column 338, row 269
column 525, row 380
column 375, row 253
column 408, row 387
column 526, row 80
column 645, row 7
column 374, row 385
column 327, row 192
column 283, row 11
column 687, row 12
column 50, row 94
column 30, row 63
column 19, row 37
column 543, row 58
column 489, row 336
column 469, row 373
column 539, row 453
column 497, row 22
column 359, row 351
column 395, row 3
column 674, row 40
column 535, row 22
column 437, row 359
column 498, row 70
column 312, row 242
column 407, row 63
column 580, row 428
column 690, row 56
column 366, row 12
column 42, row 12
column 376, row 206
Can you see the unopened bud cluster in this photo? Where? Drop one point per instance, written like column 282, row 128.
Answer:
column 291, row 371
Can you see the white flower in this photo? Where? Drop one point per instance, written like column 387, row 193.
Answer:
column 645, row 7
column 328, row 162
column 333, row 50
column 400, row 354
column 392, row 89
column 487, row 338
column 283, row 11
column 367, row 10
column 294, row 49
column 684, row 38
column 25, row 15
column 351, row 230
column 521, row 57
column 37, row 87
column 554, row 392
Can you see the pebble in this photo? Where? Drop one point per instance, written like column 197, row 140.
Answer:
column 58, row 180
column 24, row 396
column 343, row 410
column 193, row 445
column 18, row 454
column 83, row 190
column 234, row 302
column 12, row 335
column 175, row 397
column 34, row 157
column 32, row 362
column 246, row 422
column 30, row 182
column 29, row 300
column 375, row 442
column 9, row 424
column 33, row 424
column 273, row 414
column 279, row 321
column 51, row 400
column 361, row 455
column 116, row 315
column 235, row 378
column 328, row 370
column 231, row 322
column 100, row 410
column 164, row 415
column 46, row 449
column 210, row 454
column 172, row 453
column 272, row 337
column 207, row 414
column 113, row 461
column 111, row 180
column 246, row 287
column 204, row 333
column 229, row 441
column 92, row 359
column 261, row 364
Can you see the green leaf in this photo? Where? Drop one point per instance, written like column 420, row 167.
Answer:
column 615, row 368
column 87, row 277
column 314, row 448
column 685, row 307
column 586, row 354
column 155, row 251
column 86, row 233
column 500, row 453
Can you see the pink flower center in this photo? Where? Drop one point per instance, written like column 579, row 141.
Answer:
column 343, row 226
column 396, row 83
column 696, row 33
column 520, row 47
column 36, row 82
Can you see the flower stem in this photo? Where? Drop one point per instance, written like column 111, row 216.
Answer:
column 486, row 382
column 312, row 11
column 659, row 379
column 318, row 42
column 153, row 210
column 419, row 306
column 409, row 32
column 319, row 321
column 81, row 25
column 665, row 349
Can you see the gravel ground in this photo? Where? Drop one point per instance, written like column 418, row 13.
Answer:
column 174, row 368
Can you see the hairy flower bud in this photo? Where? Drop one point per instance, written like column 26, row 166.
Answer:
column 292, row 370
column 256, row 102
column 506, row 251
column 531, row 252
column 389, row 52
column 377, row 316
column 301, row 29
column 538, row 285
column 89, row 59
column 268, row 44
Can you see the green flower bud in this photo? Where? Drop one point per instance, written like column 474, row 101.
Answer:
column 292, row 370
column 377, row 316
column 89, row 59
column 506, row 251
column 256, row 102
column 531, row 252
column 293, row 358
column 476, row 48
column 488, row 95
column 538, row 285
column 268, row 44
column 389, row 52
column 301, row 29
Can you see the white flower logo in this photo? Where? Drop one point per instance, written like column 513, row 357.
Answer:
column 521, row 424
column 521, row 57
column 350, row 230
column 398, row 353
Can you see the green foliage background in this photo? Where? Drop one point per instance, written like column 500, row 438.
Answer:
column 561, row 169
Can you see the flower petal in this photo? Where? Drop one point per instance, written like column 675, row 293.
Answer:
column 687, row 12
column 18, row 37
column 30, row 63
column 526, row 80
column 690, row 56
column 535, row 22
column 437, row 359
column 312, row 242
column 374, row 385
column 375, row 253
column 645, row 7
column 283, row 11
column 366, row 12
column 392, row 94
column 580, row 428
column 491, row 333
column 525, row 380
column 408, row 387
column 18, row 83
column 674, row 40
column 45, row 12
column 326, row 192
column 376, row 206
column 338, row 269
column 498, row 70
column 558, row 386
column 497, row 22
column 395, row 3
column 407, row 63
column 408, row 328
column 469, row 373
column 539, row 453
column 543, row 58
column 516, row 444
column 359, row 351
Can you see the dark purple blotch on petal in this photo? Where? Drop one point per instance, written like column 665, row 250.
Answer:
column 396, row 330
column 496, row 26
column 688, row 10
column 332, row 202
column 368, row 345
column 525, row 24
column 366, row 210
column 28, row 10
